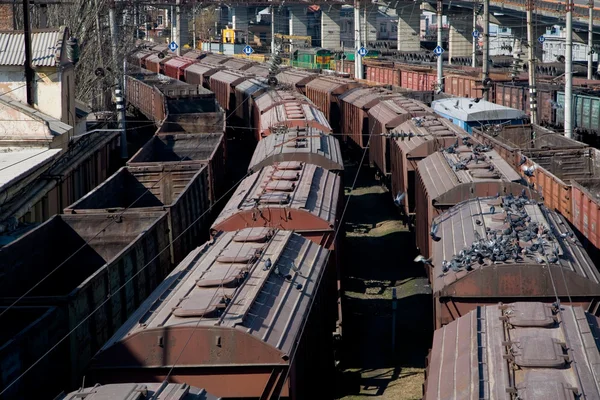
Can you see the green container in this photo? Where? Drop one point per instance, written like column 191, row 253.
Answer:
column 586, row 111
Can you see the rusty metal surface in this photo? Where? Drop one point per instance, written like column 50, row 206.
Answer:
column 548, row 353
column 266, row 317
column 287, row 196
column 238, row 64
column 186, row 151
column 325, row 91
column 126, row 247
column 296, row 78
column 183, row 193
column 291, row 115
column 175, row 67
column 310, row 146
column 430, row 135
column 216, row 59
column 156, row 64
column 586, row 210
column 199, row 74
column 195, row 54
column 139, row 391
column 258, row 70
column 245, row 93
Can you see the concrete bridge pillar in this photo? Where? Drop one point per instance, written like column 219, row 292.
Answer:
column 371, row 27
column 298, row 20
column 239, row 18
column 460, row 41
column 409, row 28
column 330, row 27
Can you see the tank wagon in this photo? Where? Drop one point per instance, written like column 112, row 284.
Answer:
column 252, row 306
column 140, row 391
column 531, row 350
column 457, row 173
column 186, row 152
column 305, row 145
column 182, row 193
column 93, row 265
column 383, row 119
column 507, row 248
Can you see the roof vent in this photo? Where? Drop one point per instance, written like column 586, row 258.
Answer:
column 543, row 390
column 253, row 235
column 286, row 176
column 280, row 186
column 205, row 303
column 223, row 276
column 289, row 165
column 528, row 315
column 538, row 352
column 274, row 198
column 238, row 254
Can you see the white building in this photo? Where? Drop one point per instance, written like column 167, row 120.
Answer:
column 554, row 46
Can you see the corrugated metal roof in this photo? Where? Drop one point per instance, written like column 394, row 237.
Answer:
column 231, row 77
column 238, row 64
column 466, row 109
column 469, row 357
column 133, row 391
column 425, row 129
column 293, row 114
column 472, row 225
column 259, row 70
column 215, row 59
column 315, row 190
column 307, row 145
column 233, row 266
column 273, row 98
column 366, row 97
column 44, row 48
column 295, row 77
column 330, row 84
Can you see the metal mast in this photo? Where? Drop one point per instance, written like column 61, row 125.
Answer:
column 569, row 71
column 529, row 6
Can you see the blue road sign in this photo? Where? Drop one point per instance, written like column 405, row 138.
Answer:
column 248, row 50
column 438, row 51
column 173, row 46
column 541, row 39
column 475, row 33
column 362, row 52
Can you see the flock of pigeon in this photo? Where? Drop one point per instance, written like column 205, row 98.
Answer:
column 476, row 155
column 520, row 238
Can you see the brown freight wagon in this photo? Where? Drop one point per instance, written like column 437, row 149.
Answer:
column 516, row 95
column 140, row 391
column 481, row 259
column 195, row 55
column 245, row 316
column 345, row 67
column 356, row 104
column 383, row 119
column 444, row 179
column 382, row 72
column 296, row 78
column 174, row 68
column 531, row 350
column 187, row 151
column 430, row 134
column 96, row 266
column 25, row 337
column 324, row 92
column 238, row 64
column 155, row 63
column 470, row 86
column 182, row 192
column 223, row 85
column 215, row 59
column 305, row 145
column 139, row 58
column 245, row 93
column 199, row 74
column 417, row 78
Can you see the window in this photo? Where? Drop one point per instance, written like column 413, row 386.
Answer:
column 394, row 27
column 382, row 28
column 159, row 20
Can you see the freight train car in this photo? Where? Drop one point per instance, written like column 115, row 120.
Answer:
column 244, row 316
column 223, row 85
column 175, row 67
column 531, row 350
column 199, row 74
column 86, row 260
column 183, row 151
column 295, row 78
column 306, row 145
column 140, row 391
column 383, row 119
column 493, row 249
column 458, row 173
column 325, row 91
column 182, row 193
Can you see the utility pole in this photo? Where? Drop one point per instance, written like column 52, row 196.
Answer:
column 365, row 27
column 272, row 29
column 121, row 113
column 118, row 94
column 99, row 40
column 486, row 46
column 590, row 39
column 342, row 57
column 194, row 25
column 474, row 60
column 358, row 66
column 29, row 73
column 178, row 27
column 529, row 6
column 440, row 61
column 569, row 71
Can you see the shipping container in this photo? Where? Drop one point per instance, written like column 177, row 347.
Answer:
column 306, row 146
column 174, row 68
column 199, row 74
column 205, row 304
column 26, row 334
column 183, row 192
column 296, row 78
column 324, row 92
column 356, row 104
column 98, row 269
column 140, row 391
column 553, row 268
column 187, row 151
column 525, row 347
column 443, row 180
column 223, row 85
column 429, row 134
column 383, row 119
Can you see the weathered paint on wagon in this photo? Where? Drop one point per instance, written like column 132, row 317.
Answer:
column 140, row 391
column 324, row 92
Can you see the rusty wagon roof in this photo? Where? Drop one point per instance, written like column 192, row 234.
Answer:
column 390, row 112
column 261, row 70
column 525, row 348
column 178, row 62
column 238, row 64
column 215, row 59
column 328, row 84
column 308, row 145
column 366, row 97
column 293, row 114
column 440, row 174
column 473, row 240
column 195, row 54
column 268, row 276
column 227, row 76
column 424, row 130
column 295, row 77
column 140, row 391
column 272, row 98
column 287, row 185
column 202, row 69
